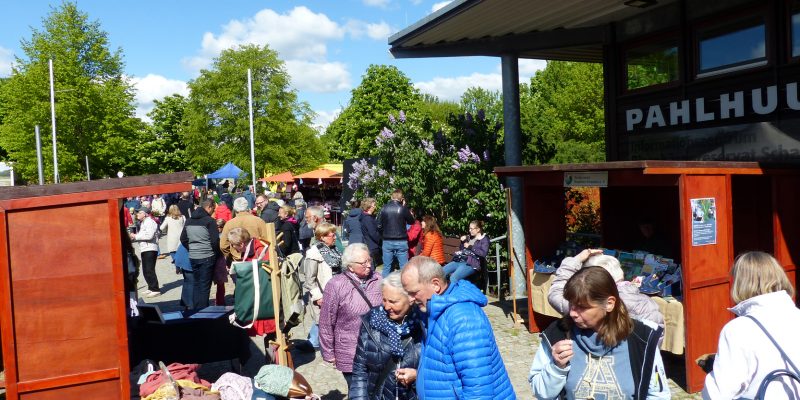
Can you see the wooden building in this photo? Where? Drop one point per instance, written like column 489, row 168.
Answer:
column 710, row 85
column 62, row 298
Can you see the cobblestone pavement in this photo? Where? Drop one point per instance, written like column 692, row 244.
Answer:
column 516, row 344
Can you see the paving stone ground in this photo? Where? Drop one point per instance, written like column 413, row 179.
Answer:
column 517, row 345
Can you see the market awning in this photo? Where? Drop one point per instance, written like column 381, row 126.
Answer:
column 282, row 177
column 571, row 30
column 227, row 171
column 321, row 173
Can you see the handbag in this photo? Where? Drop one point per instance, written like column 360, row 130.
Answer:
column 778, row 373
column 253, row 292
column 361, row 292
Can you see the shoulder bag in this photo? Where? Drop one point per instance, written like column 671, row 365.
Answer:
column 778, row 373
column 361, row 292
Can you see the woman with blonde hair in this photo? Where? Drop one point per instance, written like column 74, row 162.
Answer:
column 173, row 226
column 323, row 261
column 598, row 349
column 287, row 225
column 765, row 310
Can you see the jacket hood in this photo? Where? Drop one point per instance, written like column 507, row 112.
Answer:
column 774, row 300
column 460, row 292
column 355, row 213
column 273, row 205
column 627, row 288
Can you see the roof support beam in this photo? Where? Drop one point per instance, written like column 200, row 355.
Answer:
column 508, row 44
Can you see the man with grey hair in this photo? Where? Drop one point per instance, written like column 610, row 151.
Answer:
column 460, row 350
column 243, row 219
column 313, row 216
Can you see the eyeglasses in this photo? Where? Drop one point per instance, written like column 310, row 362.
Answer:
column 363, row 263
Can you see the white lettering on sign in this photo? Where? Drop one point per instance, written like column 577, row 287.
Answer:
column 763, row 101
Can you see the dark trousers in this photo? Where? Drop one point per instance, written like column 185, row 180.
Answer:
column 203, row 270
column 187, row 290
column 149, row 269
column 348, row 377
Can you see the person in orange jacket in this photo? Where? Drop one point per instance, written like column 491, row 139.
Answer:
column 432, row 241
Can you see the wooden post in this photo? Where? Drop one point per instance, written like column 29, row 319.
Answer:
column 282, row 353
column 511, row 257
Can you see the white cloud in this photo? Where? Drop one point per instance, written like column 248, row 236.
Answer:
column 155, row 87
column 324, row 118
column 301, row 38
column 320, row 77
column 440, row 5
column 6, row 57
column 377, row 3
column 376, row 31
column 528, row 67
column 451, row 88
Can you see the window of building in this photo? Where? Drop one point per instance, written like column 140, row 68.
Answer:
column 651, row 64
column 796, row 34
column 732, row 48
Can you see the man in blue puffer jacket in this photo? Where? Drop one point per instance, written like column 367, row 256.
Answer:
column 460, row 358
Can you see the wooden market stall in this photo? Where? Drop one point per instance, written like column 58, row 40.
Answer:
column 62, row 298
column 756, row 209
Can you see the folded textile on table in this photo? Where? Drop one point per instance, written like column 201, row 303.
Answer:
column 179, row 371
column 189, row 391
column 236, row 387
column 283, row 381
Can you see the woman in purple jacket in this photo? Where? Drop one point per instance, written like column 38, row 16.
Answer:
column 472, row 254
column 348, row 296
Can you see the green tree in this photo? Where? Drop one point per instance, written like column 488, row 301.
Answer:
column 94, row 100
column 160, row 146
column 384, row 89
column 217, row 118
column 476, row 99
column 562, row 114
column 436, row 112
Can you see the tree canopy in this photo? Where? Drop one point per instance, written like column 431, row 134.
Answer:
column 94, row 100
column 217, row 116
column 562, row 114
column 384, row 90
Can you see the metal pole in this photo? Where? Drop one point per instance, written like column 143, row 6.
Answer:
column 88, row 175
column 252, row 139
column 513, row 153
column 53, row 119
column 39, row 156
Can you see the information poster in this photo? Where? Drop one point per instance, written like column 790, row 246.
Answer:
column 704, row 221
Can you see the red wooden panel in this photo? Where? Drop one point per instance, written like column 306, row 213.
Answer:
column 6, row 314
column 63, row 291
column 118, row 268
column 705, row 272
column 545, row 229
column 786, row 220
column 105, row 390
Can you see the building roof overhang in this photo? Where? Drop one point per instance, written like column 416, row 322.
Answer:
column 570, row 30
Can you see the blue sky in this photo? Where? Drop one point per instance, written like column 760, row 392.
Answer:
column 327, row 45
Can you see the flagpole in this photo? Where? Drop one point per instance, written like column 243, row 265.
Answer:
column 252, row 140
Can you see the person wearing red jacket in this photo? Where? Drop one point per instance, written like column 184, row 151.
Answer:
column 414, row 236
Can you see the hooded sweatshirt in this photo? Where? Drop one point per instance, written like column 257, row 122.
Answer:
column 460, row 358
column 352, row 226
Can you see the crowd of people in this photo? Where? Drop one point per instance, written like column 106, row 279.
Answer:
column 417, row 330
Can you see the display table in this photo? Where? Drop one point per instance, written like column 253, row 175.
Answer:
column 187, row 341
column 540, row 287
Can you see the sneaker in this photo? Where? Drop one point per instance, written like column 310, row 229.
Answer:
column 150, row 293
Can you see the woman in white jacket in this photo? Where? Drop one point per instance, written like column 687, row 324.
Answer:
column 173, row 226
column 761, row 290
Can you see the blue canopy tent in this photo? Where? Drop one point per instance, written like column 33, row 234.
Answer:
column 227, row 171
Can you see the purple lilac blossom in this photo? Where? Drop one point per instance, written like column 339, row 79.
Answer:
column 486, row 155
column 469, row 118
column 481, row 115
column 402, row 116
column 445, row 190
column 391, row 118
column 478, row 202
column 428, row 146
column 455, row 165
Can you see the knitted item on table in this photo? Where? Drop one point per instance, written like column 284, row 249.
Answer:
column 274, row 379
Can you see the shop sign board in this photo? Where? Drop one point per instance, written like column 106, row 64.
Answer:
column 704, row 221
column 586, row 179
